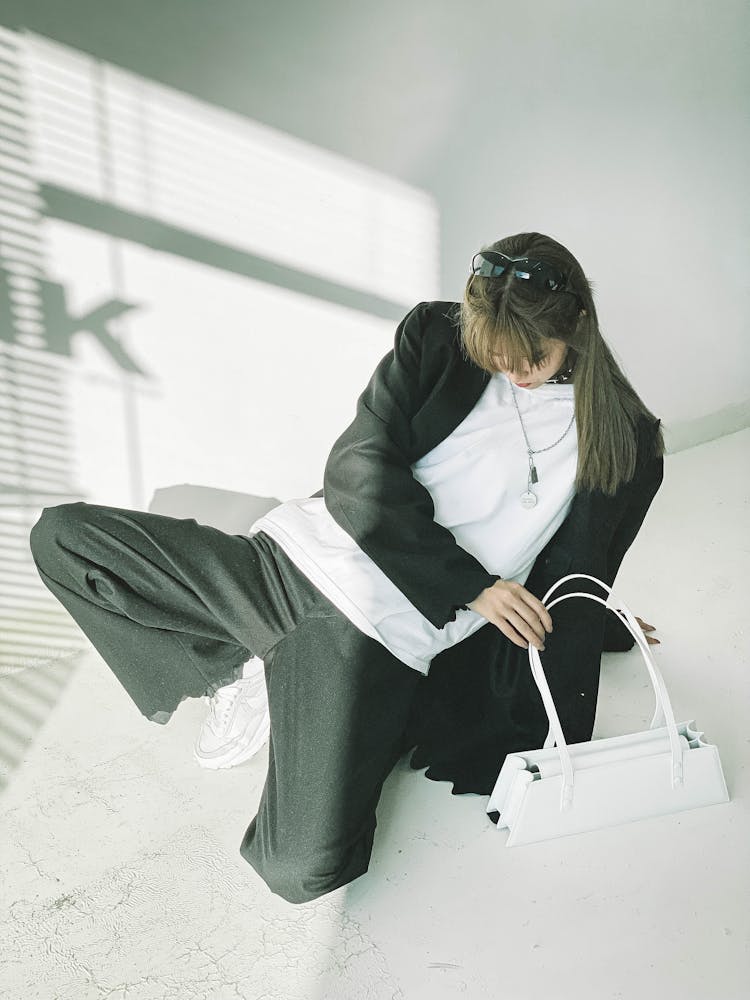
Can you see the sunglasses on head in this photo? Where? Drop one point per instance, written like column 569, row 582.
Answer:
column 492, row 263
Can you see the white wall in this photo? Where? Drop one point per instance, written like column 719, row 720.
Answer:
column 622, row 131
column 619, row 128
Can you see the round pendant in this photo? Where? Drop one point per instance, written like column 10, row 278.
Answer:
column 528, row 500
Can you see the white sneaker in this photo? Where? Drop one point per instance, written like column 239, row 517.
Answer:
column 238, row 723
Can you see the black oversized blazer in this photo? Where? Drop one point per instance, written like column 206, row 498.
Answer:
column 479, row 701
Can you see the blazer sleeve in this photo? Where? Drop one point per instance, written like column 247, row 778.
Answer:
column 370, row 491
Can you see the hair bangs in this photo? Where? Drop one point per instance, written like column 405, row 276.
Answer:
column 515, row 347
column 509, row 343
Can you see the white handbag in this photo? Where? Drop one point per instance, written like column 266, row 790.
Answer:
column 547, row 793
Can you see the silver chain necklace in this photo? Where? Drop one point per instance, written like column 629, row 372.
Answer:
column 529, row 499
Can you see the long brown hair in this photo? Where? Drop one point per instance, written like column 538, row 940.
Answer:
column 513, row 318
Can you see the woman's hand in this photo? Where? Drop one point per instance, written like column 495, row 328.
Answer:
column 516, row 612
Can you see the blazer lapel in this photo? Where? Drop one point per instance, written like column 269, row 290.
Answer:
column 454, row 396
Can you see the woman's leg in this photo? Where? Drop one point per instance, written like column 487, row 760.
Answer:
column 173, row 607
column 339, row 703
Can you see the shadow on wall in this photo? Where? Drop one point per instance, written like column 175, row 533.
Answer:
column 35, row 447
column 73, row 150
column 90, row 105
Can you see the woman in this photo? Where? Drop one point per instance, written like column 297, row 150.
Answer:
column 496, row 447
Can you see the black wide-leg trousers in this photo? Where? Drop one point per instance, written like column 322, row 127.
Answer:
column 175, row 608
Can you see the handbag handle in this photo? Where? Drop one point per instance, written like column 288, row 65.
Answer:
column 664, row 705
column 632, row 625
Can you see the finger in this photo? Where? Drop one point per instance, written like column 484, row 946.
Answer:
column 535, row 615
column 511, row 634
column 653, row 642
column 539, row 610
column 531, row 609
column 644, row 626
column 499, row 620
column 527, row 629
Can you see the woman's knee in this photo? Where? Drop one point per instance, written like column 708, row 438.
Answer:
column 297, row 882
column 53, row 525
column 300, row 878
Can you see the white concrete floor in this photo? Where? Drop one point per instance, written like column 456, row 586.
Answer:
column 119, row 859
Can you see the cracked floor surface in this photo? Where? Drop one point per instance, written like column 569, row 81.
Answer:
column 122, row 879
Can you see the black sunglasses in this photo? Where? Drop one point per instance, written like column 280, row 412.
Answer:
column 492, row 263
